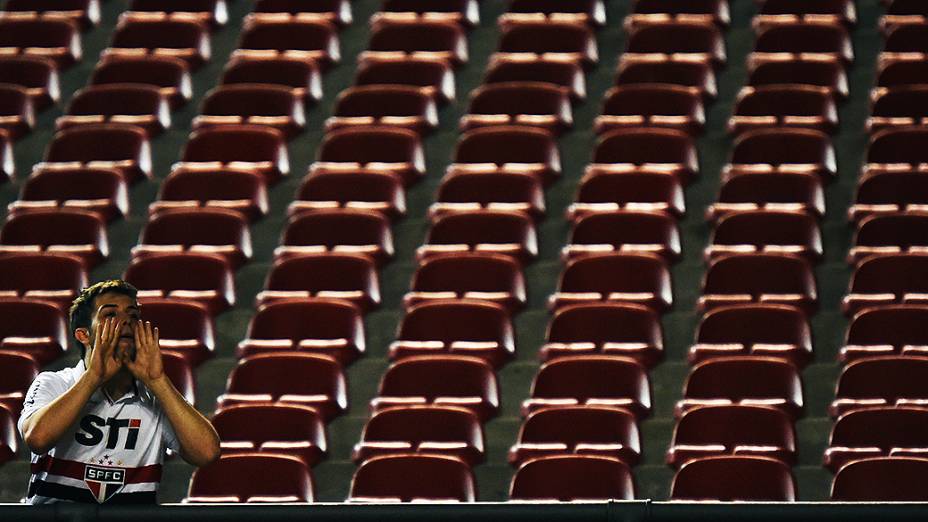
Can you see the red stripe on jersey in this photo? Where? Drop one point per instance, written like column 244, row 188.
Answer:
column 75, row 470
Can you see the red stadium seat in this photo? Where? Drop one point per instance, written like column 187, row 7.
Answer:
column 56, row 278
column 785, row 11
column 759, row 278
column 890, row 431
column 17, row 370
column 902, row 73
column 311, row 380
column 652, row 105
column 743, row 380
column 905, row 42
column 324, row 326
column 693, row 11
column 274, row 106
column 185, row 39
column 178, row 370
column 472, row 328
column 669, row 70
column 305, row 40
column 592, row 12
column 772, row 330
column 337, row 230
column 33, row 328
column 169, row 74
column 417, row 39
column 38, row 75
column 214, row 231
column 889, row 192
column 801, row 71
column 508, row 149
column 648, row 149
column 440, row 380
column 204, row 278
column 898, row 106
column 739, row 430
column 17, row 115
column 230, row 189
column 479, row 276
column 248, row 147
column 802, row 106
column 55, row 39
column 624, row 232
column 506, row 191
column 302, row 77
column 378, row 148
column 888, row 380
column 781, row 150
column 433, row 77
column 252, row 477
column 350, row 277
column 531, row 104
column 888, row 279
column 629, row 330
column 554, row 40
column 464, row 12
column 111, row 146
column 734, row 478
column 572, row 478
column 824, row 41
column 211, row 12
column 332, row 11
column 289, row 429
column 694, row 42
column 581, row 430
column 9, row 444
column 65, row 231
column 361, row 189
column 186, row 328
column 413, row 478
column 615, row 278
column 140, row 105
column 786, row 191
column 442, row 430
column 390, row 105
column 903, row 12
column 889, row 234
column 887, row 330
column 881, row 479
column 568, row 75
column 484, row 231
column 7, row 165
column 897, row 148
column 637, row 190
column 85, row 13
column 766, row 231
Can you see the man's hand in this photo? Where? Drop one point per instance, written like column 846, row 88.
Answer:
column 104, row 362
column 147, row 366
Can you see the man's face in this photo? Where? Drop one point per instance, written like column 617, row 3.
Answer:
column 119, row 307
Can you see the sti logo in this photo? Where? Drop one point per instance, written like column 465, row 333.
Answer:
column 104, row 482
column 91, row 432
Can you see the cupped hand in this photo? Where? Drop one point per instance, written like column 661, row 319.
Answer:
column 147, row 365
column 104, row 361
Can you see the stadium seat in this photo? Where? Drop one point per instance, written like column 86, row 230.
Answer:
column 338, row 230
column 652, row 105
column 759, row 278
column 302, row 77
column 886, row 380
column 185, row 39
column 554, row 40
column 413, row 478
column 636, row 190
column 902, row 73
column 325, row 326
column 9, row 444
column 248, row 147
column 209, row 12
column 440, row 380
column 337, row 12
column 116, row 146
column 887, row 279
column 903, row 12
column 252, row 477
column 186, row 328
column 85, row 13
column 215, row 231
column 169, row 74
column 624, row 232
column 508, row 149
column 824, row 41
column 350, row 277
column 694, row 42
column 389, row 105
column 582, row 430
column 699, row 11
column 430, row 39
column 305, row 40
column 889, row 234
column 275, row 106
column 890, row 431
column 38, row 75
column 17, row 370
column 772, row 330
column 786, row 11
column 66, row 231
column 899, row 106
column 615, row 278
column 507, row 191
column 140, row 105
column 801, row 71
column 889, row 192
column 739, row 430
column 591, row 380
column 802, row 106
column 289, row 429
column 481, row 276
column 484, row 231
column 243, row 191
column 102, row 191
column 33, row 328
column 464, row 12
column 887, row 330
column 647, row 149
column 442, row 430
column 572, row 478
column 629, row 330
column 783, row 150
column 743, row 380
column 434, row 77
column 734, row 478
column 591, row 12
column 200, row 277
column 881, row 479
column 568, row 75
column 358, row 189
column 17, row 117
column 378, row 148
column 57, row 40
column 766, row 231
column 905, row 42
column 178, row 370
column 897, row 148
column 473, row 328
column 56, row 278
column 784, row 191
column 307, row 379
column 666, row 69
column 532, row 104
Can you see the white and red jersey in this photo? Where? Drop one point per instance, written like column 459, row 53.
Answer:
column 113, row 453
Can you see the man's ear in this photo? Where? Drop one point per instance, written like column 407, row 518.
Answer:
column 82, row 335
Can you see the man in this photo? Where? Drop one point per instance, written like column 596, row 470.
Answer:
column 98, row 431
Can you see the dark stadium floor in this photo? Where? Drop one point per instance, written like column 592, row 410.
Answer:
column 653, row 477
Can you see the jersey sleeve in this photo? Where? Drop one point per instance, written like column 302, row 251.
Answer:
column 47, row 387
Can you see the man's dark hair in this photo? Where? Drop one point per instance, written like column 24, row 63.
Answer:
column 81, row 313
